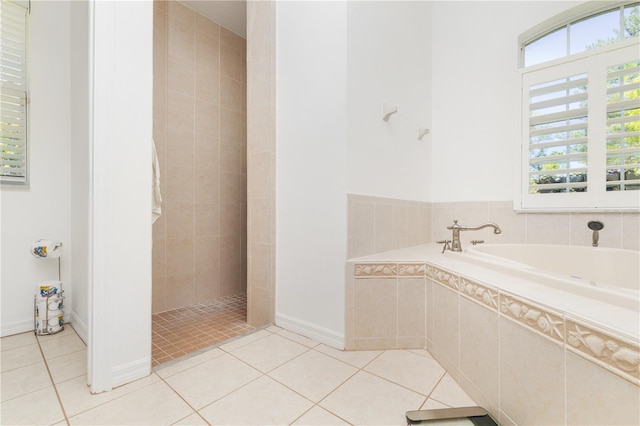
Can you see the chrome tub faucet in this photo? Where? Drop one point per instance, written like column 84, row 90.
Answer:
column 455, row 242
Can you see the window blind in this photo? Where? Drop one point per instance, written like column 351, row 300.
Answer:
column 13, row 92
column 623, row 127
column 581, row 132
column 558, row 135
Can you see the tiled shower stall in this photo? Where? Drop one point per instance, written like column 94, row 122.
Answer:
column 200, row 133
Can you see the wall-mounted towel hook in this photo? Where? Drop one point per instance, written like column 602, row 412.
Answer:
column 388, row 110
column 421, row 132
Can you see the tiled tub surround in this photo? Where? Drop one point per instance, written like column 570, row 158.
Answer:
column 530, row 354
column 199, row 243
column 378, row 224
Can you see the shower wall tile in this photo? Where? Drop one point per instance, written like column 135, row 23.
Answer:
column 207, row 119
column 181, row 36
column 207, row 26
column 233, row 125
column 180, row 256
column 232, row 63
column 158, row 297
column 207, row 189
column 207, row 51
column 179, row 290
column 180, row 75
column 182, row 13
column 232, row 94
column 207, row 220
column 180, row 147
column 191, row 260
column 180, row 219
column 206, row 84
column 180, row 113
column 207, row 153
column 257, row 71
column 180, row 184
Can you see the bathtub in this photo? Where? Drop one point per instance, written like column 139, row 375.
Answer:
column 606, row 274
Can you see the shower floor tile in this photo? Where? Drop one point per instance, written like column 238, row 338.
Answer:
column 185, row 330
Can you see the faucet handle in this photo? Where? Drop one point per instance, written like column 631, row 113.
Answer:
column 446, row 243
column 474, row 242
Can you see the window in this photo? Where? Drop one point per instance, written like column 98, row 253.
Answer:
column 13, row 92
column 580, row 146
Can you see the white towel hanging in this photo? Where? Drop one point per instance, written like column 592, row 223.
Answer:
column 156, row 197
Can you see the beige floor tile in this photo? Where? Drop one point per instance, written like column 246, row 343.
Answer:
column 366, row 399
column 52, row 348
column 68, row 331
column 156, row 404
column 76, row 396
column 274, row 329
column 210, row 381
column 192, row 420
column 17, row 340
column 407, row 369
column 174, row 368
column 269, row 353
column 356, row 358
column 68, row 366
column 319, row 417
column 20, row 357
column 262, row 402
column 431, row 404
column 422, row 352
column 299, row 339
column 36, row 408
column 245, row 340
column 24, row 380
column 313, row 375
column 450, row 393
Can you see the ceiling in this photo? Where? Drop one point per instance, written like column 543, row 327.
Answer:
column 231, row 14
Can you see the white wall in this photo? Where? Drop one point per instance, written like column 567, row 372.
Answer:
column 43, row 209
column 476, row 111
column 120, row 294
column 311, row 130
column 389, row 60
column 80, row 160
column 337, row 63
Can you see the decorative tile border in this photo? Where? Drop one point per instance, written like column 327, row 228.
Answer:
column 614, row 354
column 540, row 320
column 412, row 270
column 376, row 270
column 485, row 296
column 442, row 277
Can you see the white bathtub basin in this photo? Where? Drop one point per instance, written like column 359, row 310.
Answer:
column 605, row 274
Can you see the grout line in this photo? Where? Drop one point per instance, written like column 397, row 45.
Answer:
column 55, row 388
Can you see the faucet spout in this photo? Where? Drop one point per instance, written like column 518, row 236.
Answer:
column 455, row 228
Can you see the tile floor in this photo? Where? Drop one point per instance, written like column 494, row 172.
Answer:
column 269, row 377
column 185, row 330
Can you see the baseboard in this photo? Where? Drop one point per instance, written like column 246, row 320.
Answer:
column 17, row 327
column 80, row 327
column 312, row 331
column 134, row 370
column 23, row 326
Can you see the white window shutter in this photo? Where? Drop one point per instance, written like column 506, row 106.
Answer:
column 13, row 92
